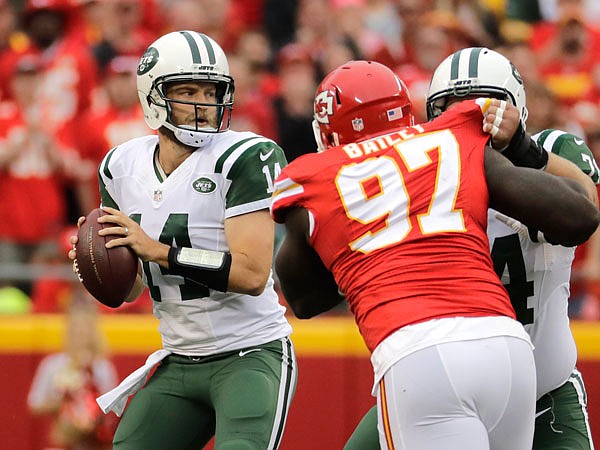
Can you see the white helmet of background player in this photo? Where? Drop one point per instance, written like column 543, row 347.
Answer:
column 475, row 70
column 184, row 56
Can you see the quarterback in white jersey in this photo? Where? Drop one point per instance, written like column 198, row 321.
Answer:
column 192, row 201
column 229, row 176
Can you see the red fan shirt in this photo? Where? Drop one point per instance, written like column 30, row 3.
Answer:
column 32, row 203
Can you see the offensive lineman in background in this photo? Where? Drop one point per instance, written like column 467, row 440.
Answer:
column 535, row 273
column 193, row 203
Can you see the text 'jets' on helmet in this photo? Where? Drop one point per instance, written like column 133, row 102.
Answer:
column 184, row 56
column 475, row 71
column 357, row 100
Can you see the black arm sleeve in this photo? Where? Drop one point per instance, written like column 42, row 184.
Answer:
column 523, row 151
column 212, row 277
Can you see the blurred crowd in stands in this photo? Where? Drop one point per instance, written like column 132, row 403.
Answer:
column 68, row 95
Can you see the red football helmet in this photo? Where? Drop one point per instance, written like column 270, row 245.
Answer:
column 357, row 100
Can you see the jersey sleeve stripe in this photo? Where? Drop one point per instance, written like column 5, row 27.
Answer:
column 484, row 104
column 228, row 152
column 311, row 223
column 248, row 207
column 233, row 156
column 105, row 163
column 551, row 139
column 106, row 198
column 289, row 189
column 286, row 187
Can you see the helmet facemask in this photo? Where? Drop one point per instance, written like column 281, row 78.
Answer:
column 223, row 105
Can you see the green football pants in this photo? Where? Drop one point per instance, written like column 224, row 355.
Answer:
column 240, row 397
column 561, row 421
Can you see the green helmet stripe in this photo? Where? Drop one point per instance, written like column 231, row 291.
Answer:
column 196, row 59
column 209, row 48
column 473, row 62
column 454, row 65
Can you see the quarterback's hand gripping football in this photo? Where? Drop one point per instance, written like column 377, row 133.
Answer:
column 130, row 233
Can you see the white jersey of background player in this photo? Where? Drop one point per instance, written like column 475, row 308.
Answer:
column 536, row 275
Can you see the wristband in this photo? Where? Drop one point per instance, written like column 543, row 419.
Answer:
column 205, row 267
column 523, row 151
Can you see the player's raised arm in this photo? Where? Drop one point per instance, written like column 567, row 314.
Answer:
column 562, row 210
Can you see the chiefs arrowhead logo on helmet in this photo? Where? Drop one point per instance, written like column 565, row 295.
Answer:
column 323, row 106
column 357, row 100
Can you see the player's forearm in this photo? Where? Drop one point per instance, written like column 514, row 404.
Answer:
column 308, row 287
column 561, row 209
column 310, row 299
column 249, row 275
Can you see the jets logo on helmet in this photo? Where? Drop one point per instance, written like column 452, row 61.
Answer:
column 323, row 106
column 475, row 71
column 148, row 61
column 516, row 73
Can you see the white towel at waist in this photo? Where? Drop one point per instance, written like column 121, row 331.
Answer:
column 116, row 399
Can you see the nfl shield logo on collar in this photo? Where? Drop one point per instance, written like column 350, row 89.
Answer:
column 357, row 124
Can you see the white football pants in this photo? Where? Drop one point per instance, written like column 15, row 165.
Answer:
column 466, row 395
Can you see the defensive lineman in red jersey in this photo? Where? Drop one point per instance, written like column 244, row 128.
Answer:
column 395, row 218
column 377, row 180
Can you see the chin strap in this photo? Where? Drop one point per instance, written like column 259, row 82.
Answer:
column 192, row 138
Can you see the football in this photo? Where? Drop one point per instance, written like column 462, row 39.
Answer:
column 107, row 273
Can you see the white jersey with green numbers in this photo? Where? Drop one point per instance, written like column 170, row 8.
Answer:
column 536, row 276
column 232, row 175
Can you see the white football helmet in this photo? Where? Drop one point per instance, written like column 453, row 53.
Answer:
column 475, row 70
column 183, row 56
